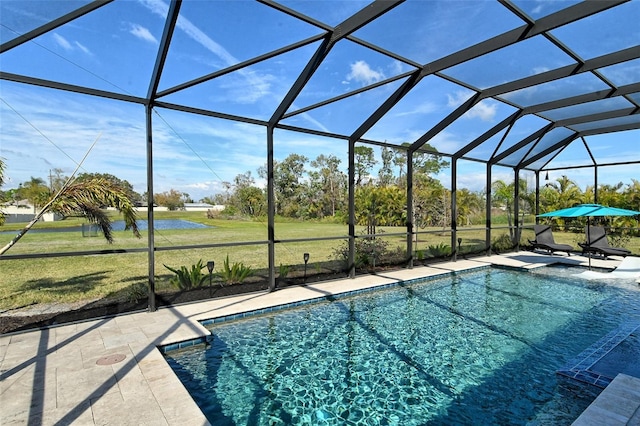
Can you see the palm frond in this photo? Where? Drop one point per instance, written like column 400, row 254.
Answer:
column 86, row 198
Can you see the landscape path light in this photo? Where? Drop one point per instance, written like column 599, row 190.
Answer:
column 306, row 260
column 210, row 265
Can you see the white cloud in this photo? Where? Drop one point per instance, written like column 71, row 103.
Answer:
column 458, row 98
column 362, row 73
column 396, row 67
column 62, row 42
column 540, row 70
column 161, row 8
column 422, row 108
column 484, row 110
column 256, row 85
column 142, row 33
column 83, row 48
column 70, row 46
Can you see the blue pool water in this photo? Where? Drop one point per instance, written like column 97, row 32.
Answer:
column 475, row 348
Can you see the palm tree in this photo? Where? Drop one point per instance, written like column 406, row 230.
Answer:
column 569, row 193
column 504, row 196
column 86, row 198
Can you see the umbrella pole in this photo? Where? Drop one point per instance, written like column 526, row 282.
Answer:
column 589, row 238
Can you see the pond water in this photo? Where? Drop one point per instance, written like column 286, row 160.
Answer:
column 118, row 225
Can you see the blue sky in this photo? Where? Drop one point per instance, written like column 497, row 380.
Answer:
column 114, row 49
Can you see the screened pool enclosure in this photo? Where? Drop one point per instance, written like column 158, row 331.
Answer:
column 207, row 97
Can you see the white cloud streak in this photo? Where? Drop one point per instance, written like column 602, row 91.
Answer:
column 70, row 46
column 142, row 33
column 62, row 42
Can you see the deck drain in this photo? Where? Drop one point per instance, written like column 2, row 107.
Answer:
column 110, row 359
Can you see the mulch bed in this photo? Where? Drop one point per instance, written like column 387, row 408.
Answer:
column 42, row 316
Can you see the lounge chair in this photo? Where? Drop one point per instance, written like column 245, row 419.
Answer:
column 544, row 240
column 628, row 269
column 598, row 243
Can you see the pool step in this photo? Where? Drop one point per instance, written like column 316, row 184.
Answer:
column 579, row 368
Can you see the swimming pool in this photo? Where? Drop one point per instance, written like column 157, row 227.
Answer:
column 475, row 348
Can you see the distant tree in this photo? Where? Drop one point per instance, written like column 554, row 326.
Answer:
column 251, row 201
column 400, row 161
column 364, row 162
column 611, row 195
column 504, row 197
column 385, row 174
column 171, row 199
column 35, row 190
column 331, row 184
column 432, row 202
column 469, row 205
column 56, row 180
column 428, row 163
column 568, row 194
column 288, row 186
column 631, row 195
column 216, row 199
column 246, row 197
column 380, row 206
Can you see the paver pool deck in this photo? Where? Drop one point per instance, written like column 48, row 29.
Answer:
column 110, row 371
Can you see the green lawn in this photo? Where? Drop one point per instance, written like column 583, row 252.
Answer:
column 92, row 277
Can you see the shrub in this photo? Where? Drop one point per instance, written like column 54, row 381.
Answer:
column 502, row 244
column 234, row 274
column 283, row 271
column 439, row 250
column 619, row 239
column 368, row 251
column 136, row 292
column 186, row 279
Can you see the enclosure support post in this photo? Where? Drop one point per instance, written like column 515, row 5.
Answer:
column 595, row 184
column 487, row 242
column 271, row 211
column 454, row 209
column 410, row 218
column 351, row 258
column 516, row 208
column 150, row 233
column 537, row 172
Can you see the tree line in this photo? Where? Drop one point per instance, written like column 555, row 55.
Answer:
column 317, row 189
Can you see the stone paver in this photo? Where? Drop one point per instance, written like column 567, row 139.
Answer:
column 56, row 376
column 618, row 404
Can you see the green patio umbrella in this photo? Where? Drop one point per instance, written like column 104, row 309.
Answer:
column 589, row 211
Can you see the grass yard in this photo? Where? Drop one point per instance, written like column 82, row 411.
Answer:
column 92, row 277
